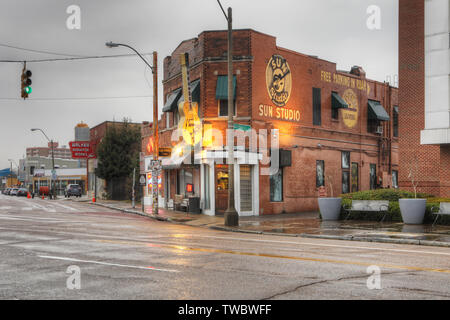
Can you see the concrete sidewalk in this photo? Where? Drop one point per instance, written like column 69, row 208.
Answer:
column 306, row 225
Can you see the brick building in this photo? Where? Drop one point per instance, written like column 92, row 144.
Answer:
column 61, row 153
column 424, row 95
column 96, row 134
column 336, row 129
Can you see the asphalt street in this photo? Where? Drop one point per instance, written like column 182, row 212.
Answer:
column 58, row 249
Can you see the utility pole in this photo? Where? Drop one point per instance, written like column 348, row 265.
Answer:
column 53, row 170
column 231, row 215
column 155, row 166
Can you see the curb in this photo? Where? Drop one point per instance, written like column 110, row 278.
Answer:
column 379, row 239
column 303, row 235
column 152, row 216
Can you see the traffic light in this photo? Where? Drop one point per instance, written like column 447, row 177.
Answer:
column 26, row 83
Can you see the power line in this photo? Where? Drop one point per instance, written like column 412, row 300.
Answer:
column 75, row 98
column 73, row 58
column 39, row 51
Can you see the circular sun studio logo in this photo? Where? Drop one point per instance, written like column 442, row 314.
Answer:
column 278, row 80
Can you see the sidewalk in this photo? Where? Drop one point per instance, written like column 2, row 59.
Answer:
column 307, row 225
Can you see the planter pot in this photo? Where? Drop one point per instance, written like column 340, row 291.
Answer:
column 412, row 210
column 330, row 208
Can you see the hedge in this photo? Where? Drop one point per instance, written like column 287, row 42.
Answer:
column 394, row 209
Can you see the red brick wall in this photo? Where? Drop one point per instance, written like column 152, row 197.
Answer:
column 412, row 101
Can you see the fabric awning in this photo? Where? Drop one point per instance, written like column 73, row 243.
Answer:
column 222, row 88
column 337, row 101
column 195, row 92
column 396, row 109
column 171, row 103
column 376, row 111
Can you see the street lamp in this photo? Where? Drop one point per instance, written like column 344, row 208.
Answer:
column 53, row 161
column 231, row 215
column 155, row 164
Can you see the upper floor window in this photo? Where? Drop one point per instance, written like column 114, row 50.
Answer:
column 317, row 106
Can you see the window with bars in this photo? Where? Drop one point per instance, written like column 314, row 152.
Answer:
column 276, row 186
column 345, row 163
column 245, row 187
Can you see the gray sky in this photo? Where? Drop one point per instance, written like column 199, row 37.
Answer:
column 92, row 91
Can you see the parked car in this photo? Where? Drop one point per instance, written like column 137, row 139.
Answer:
column 6, row 191
column 13, row 192
column 72, row 190
column 22, row 192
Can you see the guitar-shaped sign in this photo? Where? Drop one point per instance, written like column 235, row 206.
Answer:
column 190, row 124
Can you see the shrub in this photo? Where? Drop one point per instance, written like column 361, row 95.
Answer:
column 393, row 213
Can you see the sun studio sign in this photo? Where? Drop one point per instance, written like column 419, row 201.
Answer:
column 279, row 87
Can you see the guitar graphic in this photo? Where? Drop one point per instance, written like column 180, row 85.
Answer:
column 189, row 124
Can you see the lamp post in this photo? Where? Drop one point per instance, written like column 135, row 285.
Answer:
column 156, row 166
column 53, row 162
column 231, row 215
column 10, row 172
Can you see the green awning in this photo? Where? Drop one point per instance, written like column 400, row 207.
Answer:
column 195, row 92
column 376, row 111
column 171, row 103
column 337, row 102
column 222, row 88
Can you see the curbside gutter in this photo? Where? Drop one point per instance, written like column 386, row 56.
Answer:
column 303, row 235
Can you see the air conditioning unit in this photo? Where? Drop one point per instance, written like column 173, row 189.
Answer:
column 379, row 130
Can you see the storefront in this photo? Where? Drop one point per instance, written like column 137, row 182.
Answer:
column 300, row 124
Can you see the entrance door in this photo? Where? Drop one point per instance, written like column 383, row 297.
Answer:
column 221, row 186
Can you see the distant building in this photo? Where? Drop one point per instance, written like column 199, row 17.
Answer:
column 65, row 176
column 82, row 132
column 31, row 164
column 96, row 135
column 60, row 153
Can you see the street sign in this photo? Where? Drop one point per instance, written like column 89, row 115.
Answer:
column 243, row 127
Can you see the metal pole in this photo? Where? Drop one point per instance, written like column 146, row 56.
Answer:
column 155, row 172
column 10, row 174
column 53, row 165
column 231, row 216
column 132, row 192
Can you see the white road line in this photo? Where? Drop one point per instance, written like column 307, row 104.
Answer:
column 5, row 208
column 64, row 206
column 27, row 209
column 328, row 245
column 107, row 263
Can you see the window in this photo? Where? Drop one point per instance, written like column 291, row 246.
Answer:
column 345, row 162
column 373, row 176
column 395, row 179
column 345, row 155
column 245, row 187
column 167, row 120
column 355, row 172
column 395, row 122
column 317, row 105
column 320, row 173
column 276, row 186
column 176, row 117
column 223, row 108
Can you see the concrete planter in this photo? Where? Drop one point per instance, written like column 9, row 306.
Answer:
column 330, row 208
column 412, row 210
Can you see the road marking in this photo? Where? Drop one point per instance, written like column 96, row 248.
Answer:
column 5, row 208
column 327, row 245
column 64, row 206
column 107, row 263
column 27, row 209
column 268, row 255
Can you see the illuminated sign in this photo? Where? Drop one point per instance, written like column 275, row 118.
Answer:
column 278, row 80
column 279, row 113
column 189, row 187
column 80, row 149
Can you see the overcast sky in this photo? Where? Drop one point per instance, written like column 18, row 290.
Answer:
column 92, row 91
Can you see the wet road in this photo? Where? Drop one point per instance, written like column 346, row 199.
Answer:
column 47, row 246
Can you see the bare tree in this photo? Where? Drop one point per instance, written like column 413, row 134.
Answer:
column 413, row 171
